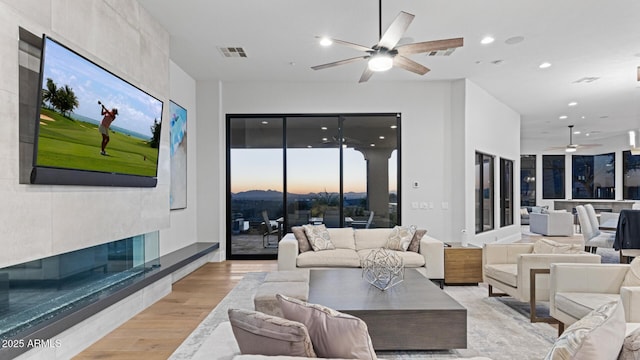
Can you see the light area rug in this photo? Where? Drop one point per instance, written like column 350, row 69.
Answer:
column 494, row 329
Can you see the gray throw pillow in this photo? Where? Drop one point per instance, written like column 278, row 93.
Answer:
column 303, row 242
column 631, row 347
column 414, row 245
column 333, row 334
column 400, row 237
column 259, row 333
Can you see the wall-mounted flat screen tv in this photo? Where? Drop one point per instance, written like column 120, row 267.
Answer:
column 93, row 127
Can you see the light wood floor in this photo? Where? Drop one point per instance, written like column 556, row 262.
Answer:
column 156, row 332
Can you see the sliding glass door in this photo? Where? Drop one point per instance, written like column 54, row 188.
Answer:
column 284, row 171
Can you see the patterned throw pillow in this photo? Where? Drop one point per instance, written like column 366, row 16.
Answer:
column 259, row 333
column 400, row 237
column 597, row 336
column 333, row 334
column 414, row 245
column 318, row 237
column 632, row 278
column 303, row 242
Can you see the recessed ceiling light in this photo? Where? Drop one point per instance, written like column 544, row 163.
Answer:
column 264, row 122
column 544, row 65
column 381, row 137
column 587, row 134
column 514, row 40
column 323, row 128
column 309, row 146
column 573, row 103
column 325, row 139
column 576, row 132
column 372, row 145
column 325, row 41
column 487, row 40
column 394, row 126
column 562, row 117
column 583, row 117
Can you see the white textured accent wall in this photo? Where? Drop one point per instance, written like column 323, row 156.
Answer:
column 39, row 221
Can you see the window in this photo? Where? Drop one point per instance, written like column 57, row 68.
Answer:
column 506, row 192
column 284, row 171
column 553, row 176
column 527, row 180
column 593, row 176
column 484, row 192
column 630, row 176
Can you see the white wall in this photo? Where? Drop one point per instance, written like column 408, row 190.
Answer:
column 491, row 128
column 39, row 221
column 426, row 131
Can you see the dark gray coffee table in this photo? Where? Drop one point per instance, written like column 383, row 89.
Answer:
column 414, row 315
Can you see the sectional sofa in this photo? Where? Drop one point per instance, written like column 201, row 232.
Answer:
column 353, row 245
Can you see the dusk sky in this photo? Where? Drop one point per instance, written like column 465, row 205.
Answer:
column 90, row 83
column 309, row 170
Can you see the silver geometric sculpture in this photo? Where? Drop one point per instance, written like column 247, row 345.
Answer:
column 383, row 269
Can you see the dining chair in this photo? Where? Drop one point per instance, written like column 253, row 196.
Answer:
column 593, row 237
column 271, row 228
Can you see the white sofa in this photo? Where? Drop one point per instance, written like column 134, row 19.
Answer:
column 576, row 289
column 353, row 245
column 552, row 223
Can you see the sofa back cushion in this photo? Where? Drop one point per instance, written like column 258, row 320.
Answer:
column 371, row 238
column 342, row 238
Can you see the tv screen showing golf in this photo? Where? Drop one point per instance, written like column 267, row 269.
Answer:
column 91, row 120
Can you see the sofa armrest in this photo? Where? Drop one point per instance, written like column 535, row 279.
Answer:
column 631, row 300
column 433, row 252
column 287, row 252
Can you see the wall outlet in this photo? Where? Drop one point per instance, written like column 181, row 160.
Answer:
column 424, row 205
column 414, row 205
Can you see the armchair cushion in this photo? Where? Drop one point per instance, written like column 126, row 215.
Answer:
column 579, row 304
column 597, row 336
column 505, row 273
column 547, row 246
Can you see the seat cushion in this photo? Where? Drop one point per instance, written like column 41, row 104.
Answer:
column 578, row 305
column 329, row 258
column 505, row 273
column 342, row 238
column 409, row 259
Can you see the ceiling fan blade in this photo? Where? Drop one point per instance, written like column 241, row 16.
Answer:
column 366, row 75
column 408, row 64
column 395, row 31
column 428, row 46
column 638, row 73
column 349, row 44
column 337, row 63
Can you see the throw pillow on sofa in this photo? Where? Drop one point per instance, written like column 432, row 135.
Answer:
column 259, row 333
column 597, row 336
column 632, row 278
column 303, row 242
column 333, row 334
column 400, row 237
column 414, row 245
column 631, row 347
column 319, row 237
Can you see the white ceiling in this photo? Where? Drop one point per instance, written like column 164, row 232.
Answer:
column 580, row 38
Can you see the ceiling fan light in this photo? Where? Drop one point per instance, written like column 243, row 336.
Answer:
column 570, row 149
column 325, row 41
column 380, row 62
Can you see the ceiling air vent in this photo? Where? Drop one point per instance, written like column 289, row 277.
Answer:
column 445, row 52
column 232, row 52
column 587, row 79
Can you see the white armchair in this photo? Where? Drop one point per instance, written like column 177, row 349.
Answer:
column 517, row 271
column 576, row 289
column 553, row 223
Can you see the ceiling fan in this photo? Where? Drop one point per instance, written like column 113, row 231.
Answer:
column 571, row 147
column 387, row 53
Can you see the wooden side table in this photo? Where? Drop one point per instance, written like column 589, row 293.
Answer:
column 462, row 265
